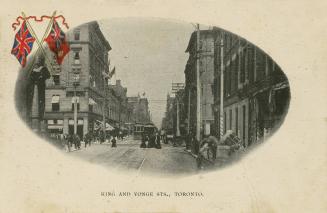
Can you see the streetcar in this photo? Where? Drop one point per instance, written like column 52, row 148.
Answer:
column 140, row 129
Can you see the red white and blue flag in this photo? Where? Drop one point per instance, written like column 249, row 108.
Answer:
column 57, row 42
column 23, row 44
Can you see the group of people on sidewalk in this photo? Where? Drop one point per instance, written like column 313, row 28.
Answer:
column 205, row 149
column 73, row 140
column 151, row 141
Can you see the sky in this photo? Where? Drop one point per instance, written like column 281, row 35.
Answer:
column 149, row 54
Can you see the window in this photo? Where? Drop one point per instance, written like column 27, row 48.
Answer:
column 230, row 119
column 73, row 102
column 56, row 79
column 270, row 65
column 228, row 80
column 225, row 126
column 76, row 58
column 201, row 45
column 250, row 64
column 243, row 56
column 55, row 103
column 77, row 35
column 91, row 103
column 243, row 109
column 234, row 72
column 236, row 120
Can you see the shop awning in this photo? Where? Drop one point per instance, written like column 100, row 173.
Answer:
column 77, row 99
column 100, row 125
column 91, row 101
column 55, row 99
column 281, row 85
column 109, row 127
column 55, row 127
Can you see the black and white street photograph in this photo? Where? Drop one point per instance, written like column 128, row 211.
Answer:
column 151, row 95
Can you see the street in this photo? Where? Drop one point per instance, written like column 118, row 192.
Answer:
column 129, row 156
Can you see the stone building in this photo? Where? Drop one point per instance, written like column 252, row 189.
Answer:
column 121, row 107
column 175, row 120
column 256, row 91
column 81, row 77
column 206, row 54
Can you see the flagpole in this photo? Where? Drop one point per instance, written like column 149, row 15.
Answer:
column 30, row 69
column 37, row 41
column 44, row 35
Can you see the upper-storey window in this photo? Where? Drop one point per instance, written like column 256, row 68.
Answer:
column 56, row 79
column 77, row 35
column 76, row 57
column 55, row 103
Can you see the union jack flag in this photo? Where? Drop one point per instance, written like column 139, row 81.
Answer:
column 23, row 44
column 57, row 42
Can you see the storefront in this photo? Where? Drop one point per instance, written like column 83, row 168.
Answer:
column 80, row 123
column 55, row 127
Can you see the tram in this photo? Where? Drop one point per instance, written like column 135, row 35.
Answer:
column 140, row 129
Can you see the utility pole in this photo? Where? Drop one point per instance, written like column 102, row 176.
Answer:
column 75, row 108
column 221, row 115
column 178, row 133
column 198, row 85
column 104, row 108
column 188, row 111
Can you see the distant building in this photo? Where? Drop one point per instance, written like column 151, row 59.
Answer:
column 175, row 117
column 121, row 107
column 140, row 108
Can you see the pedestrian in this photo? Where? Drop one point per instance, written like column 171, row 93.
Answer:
column 67, row 142
column 213, row 144
column 208, row 145
column 120, row 135
column 77, row 141
column 157, row 141
column 114, row 142
column 85, row 139
column 151, row 143
column 143, row 141
column 188, row 141
column 70, row 141
column 203, row 149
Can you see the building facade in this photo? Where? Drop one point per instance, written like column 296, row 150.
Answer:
column 121, row 107
column 255, row 90
column 80, row 78
column 206, row 58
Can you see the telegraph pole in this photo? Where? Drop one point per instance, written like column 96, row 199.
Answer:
column 188, row 111
column 75, row 84
column 104, row 108
column 178, row 133
column 221, row 85
column 198, row 85
column 75, row 109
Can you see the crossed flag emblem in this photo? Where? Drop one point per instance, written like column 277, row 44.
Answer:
column 53, row 36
